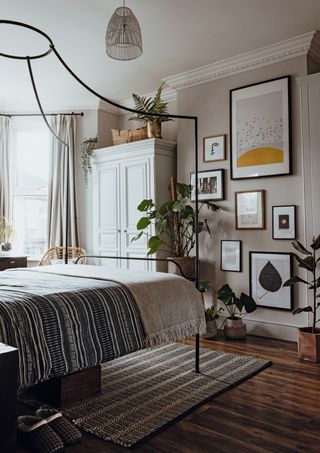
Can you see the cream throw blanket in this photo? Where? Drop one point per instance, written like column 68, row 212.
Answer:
column 170, row 306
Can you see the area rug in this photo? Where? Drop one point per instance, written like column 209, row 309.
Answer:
column 149, row 389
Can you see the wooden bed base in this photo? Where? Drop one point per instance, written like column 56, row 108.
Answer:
column 67, row 389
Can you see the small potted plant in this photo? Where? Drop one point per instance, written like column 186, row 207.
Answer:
column 237, row 308
column 6, row 233
column 309, row 337
column 174, row 227
column 152, row 107
column 211, row 313
column 86, row 150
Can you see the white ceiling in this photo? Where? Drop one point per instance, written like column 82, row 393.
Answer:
column 178, row 35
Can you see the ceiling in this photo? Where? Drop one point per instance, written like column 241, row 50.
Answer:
column 178, row 35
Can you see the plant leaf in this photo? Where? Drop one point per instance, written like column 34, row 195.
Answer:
column 269, row 278
column 138, row 236
column 301, row 309
column 145, row 205
column 298, row 246
column 154, row 244
column 248, row 303
column 306, row 263
column 295, row 279
column 143, row 223
column 225, row 294
column 316, row 243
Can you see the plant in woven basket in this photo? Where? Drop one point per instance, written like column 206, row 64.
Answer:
column 174, row 222
column 86, row 149
column 152, row 106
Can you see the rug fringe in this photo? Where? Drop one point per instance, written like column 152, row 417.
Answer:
column 176, row 333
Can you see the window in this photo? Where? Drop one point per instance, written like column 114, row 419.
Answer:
column 29, row 192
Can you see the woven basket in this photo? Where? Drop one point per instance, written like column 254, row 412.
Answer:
column 121, row 136
column 187, row 265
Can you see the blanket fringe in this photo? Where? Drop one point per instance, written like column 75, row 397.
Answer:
column 176, row 333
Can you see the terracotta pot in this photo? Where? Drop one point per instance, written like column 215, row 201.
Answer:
column 212, row 329
column 235, row 329
column 187, row 265
column 309, row 345
column 154, row 129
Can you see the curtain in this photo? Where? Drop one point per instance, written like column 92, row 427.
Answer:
column 61, row 182
column 4, row 167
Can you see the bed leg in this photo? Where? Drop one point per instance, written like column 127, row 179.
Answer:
column 197, row 363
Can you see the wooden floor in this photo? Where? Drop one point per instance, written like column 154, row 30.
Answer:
column 276, row 411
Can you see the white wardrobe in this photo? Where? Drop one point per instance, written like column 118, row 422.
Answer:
column 123, row 176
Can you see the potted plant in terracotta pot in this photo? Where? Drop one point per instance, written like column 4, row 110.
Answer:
column 153, row 107
column 237, row 308
column 309, row 337
column 174, row 227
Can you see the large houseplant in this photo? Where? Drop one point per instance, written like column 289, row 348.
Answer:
column 152, row 106
column 174, row 226
column 309, row 337
column 237, row 308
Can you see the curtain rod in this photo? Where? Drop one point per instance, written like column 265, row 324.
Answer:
column 39, row 114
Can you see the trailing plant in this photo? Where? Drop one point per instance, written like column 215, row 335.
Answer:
column 6, row 230
column 237, row 307
column 174, row 222
column 86, row 149
column 152, row 106
column 212, row 313
column 308, row 261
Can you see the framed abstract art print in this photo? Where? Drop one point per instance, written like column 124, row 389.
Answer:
column 260, row 143
column 250, row 210
column 230, row 256
column 210, row 185
column 284, row 222
column 214, row 148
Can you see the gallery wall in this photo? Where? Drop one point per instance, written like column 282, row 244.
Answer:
column 210, row 102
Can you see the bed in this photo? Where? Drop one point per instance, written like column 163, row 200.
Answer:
column 64, row 319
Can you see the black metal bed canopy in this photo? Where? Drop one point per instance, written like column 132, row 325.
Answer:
column 194, row 119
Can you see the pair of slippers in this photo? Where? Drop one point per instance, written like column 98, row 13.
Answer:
column 47, row 431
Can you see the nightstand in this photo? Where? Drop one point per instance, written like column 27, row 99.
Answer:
column 11, row 261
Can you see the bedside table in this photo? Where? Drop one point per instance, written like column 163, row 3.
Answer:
column 12, row 261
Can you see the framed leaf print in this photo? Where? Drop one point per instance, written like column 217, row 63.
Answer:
column 268, row 272
column 260, row 129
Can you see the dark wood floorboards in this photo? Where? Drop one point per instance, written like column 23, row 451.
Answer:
column 276, row 411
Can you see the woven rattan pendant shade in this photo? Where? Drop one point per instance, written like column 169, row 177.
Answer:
column 123, row 37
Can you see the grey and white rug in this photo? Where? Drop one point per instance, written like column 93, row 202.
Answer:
column 147, row 390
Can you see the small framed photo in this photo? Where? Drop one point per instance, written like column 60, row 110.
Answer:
column 268, row 272
column 231, row 256
column 284, row 222
column 214, row 148
column 210, row 185
column 250, row 210
column 260, row 129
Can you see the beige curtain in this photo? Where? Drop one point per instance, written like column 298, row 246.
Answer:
column 65, row 127
column 4, row 166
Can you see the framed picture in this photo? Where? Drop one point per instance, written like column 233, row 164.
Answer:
column 260, row 129
column 284, row 222
column 210, row 185
column 214, row 148
column 250, row 210
column 231, row 256
column 268, row 272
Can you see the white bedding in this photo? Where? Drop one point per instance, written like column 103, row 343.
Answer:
column 170, row 306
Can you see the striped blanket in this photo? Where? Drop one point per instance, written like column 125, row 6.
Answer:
column 63, row 324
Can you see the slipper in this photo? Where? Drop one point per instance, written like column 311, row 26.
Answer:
column 62, row 426
column 37, row 436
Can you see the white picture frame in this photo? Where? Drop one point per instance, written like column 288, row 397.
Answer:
column 231, row 256
column 250, row 210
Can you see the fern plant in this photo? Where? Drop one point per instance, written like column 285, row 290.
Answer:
column 151, row 106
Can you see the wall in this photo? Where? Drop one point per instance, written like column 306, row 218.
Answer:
column 210, row 102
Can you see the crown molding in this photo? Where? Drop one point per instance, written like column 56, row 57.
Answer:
column 168, row 95
column 283, row 50
column 311, row 78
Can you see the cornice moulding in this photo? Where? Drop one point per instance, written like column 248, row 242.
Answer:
column 283, row 50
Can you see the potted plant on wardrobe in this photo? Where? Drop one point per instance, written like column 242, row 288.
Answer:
column 309, row 337
column 152, row 106
column 237, row 308
column 174, row 227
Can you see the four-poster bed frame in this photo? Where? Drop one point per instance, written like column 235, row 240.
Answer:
column 194, row 119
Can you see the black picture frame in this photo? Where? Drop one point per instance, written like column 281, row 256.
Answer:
column 290, row 170
column 294, row 221
column 221, row 171
column 289, row 288
column 240, row 255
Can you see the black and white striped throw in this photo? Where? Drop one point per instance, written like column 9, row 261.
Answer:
column 62, row 324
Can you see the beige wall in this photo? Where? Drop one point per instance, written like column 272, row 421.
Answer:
column 211, row 103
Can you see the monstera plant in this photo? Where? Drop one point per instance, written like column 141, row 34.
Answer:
column 174, row 225
column 309, row 337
